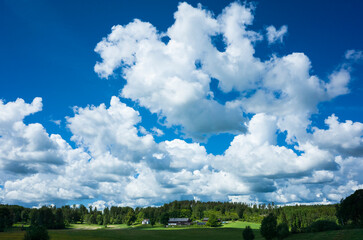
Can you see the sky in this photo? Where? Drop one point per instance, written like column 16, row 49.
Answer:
column 140, row 103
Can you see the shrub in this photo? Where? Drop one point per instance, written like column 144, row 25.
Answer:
column 323, row 225
column 248, row 233
column 282, row 231
column 36, row 233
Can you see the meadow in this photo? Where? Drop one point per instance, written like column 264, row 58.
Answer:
column 232, row 231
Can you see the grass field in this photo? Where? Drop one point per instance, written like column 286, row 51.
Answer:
column 239, row 224
column 232, row 232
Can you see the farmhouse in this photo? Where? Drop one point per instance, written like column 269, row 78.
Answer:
column 178, row 221
column 145, row 221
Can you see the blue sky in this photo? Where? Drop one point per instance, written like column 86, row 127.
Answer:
column 291, row 99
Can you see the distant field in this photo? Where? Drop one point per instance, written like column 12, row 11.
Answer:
column 232, row 231
column 239, row 224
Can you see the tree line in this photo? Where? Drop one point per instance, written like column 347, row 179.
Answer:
column 298, row 218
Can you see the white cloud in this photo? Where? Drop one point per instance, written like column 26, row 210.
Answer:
column 185, row 169
column 158, row 132
column 291, row 94
column 338, row 84
column 111, row 130
column 255, row 154
column 274, row 36
column 321, row 176
column 28, row 149
column 179, row 91
column 117, row 160
column 120, row 45
column 354, row 55
column 343, row 138
column 184, row 155
column 44, row 188
column 16, row 111
column 56, row 122
column 175, row 87
column 100, row 205
column 236, row 68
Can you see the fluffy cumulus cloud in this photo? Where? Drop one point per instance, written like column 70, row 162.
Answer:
column 173, row 79
column 112, row 130
column 276, row 154
column 292, row 94
column 32, row 162
column 27, row 148
column 255, row 154
column 343, row 138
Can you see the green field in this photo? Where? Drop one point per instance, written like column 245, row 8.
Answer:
column 239, row 224
column 230, row 231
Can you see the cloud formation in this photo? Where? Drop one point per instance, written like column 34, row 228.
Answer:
column 276, row 154
column 345, row 139
column 28, row 148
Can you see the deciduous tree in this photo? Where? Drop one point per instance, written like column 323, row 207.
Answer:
column 268, row 227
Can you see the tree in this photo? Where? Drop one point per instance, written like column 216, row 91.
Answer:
column 130, row 217
column 99, row 219
column 185, row 213
column 282, row 231
column 140, row 217
column 152, row 221
column 106, row 216
column 6, row 220
column 351, row 209
column 284, row 218
column 36, row 232
column 268, row 227
column 212, row 221
column 164, row 218
column 59, row 219
column 43, row 217
column 248, row 233
column 83, row 211
column 24, row 215
column 240, row 211
column 106, row 220
column 198, row 211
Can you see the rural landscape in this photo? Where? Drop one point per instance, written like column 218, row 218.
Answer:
column 187, row 219
column 181, row 120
